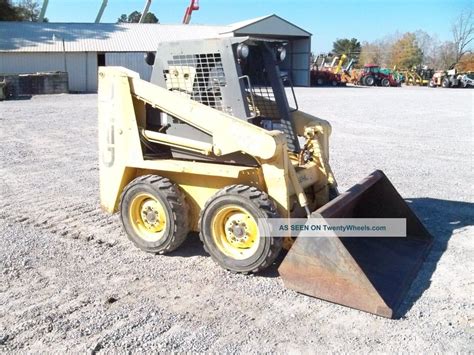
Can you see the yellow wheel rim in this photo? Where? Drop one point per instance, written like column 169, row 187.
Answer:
column 148, row 217
column 235, row 232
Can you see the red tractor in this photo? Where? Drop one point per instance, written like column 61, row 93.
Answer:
column 372, row 75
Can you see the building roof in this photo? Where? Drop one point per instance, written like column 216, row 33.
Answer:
column 269, row 24
column 126, row 37
column 95, row 37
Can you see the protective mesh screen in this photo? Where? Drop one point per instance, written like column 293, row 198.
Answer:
column 200, row 76
column 262, row 90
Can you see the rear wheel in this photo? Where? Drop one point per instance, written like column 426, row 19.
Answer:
column 369, row 80
column 446, row 83
column 229, row 229
column 154, row 214
column 385, row 82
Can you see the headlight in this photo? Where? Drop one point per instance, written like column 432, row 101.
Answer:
column 281, row 53
column 243, row 51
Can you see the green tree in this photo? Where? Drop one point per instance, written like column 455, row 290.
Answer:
column 134, row 17
column 25, row 10
column 405, row 53
column 8, row 12
column 350, row 47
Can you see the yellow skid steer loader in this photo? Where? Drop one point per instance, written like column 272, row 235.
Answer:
column 212, row 145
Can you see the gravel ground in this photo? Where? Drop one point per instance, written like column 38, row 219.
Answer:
column 71, row 281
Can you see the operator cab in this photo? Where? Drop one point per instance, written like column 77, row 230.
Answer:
column 238, row 76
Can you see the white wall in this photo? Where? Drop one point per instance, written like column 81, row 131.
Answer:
column 132, row 61
column 297, row 61
column 300, row 60
column 81, row 67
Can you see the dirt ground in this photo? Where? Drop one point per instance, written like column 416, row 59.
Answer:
column 71, row 281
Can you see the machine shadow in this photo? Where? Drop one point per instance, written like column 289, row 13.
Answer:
column 192, row 246
column 441, row 218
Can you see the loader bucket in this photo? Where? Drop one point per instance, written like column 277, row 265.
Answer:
column 371, row 274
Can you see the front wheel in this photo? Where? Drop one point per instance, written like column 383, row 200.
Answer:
column 446, row 83
column 230, row 232
column 369, row 80
column 385, row 82
column 154, row 214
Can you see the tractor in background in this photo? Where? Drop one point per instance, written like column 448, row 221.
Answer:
column 321, row 75
column 347, row 73
column 419, row 75
column 452, row 78
column 373, row 75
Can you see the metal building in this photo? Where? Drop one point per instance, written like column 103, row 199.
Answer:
column 79, row 48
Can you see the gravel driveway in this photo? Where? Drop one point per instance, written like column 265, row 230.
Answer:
column 71, row 281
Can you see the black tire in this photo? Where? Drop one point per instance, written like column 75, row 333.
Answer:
column 432, row 84
column 369, row 80
column 174, row 205
column 362, row 81
column 446, row 83
column 319, row 82
column 385, row 82
column 259, row 205
column 334, row 83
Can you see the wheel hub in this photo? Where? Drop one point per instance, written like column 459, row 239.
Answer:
column 235, row 232
column 150, row 212
column 148, row 217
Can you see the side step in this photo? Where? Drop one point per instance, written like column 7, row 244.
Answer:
column 370, row 274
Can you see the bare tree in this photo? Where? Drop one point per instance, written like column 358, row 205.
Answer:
column 463, row 33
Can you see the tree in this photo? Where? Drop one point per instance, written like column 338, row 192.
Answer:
column 350, row 47
column 29, row 10
column 405, row 53
column 26, row 10
column 8, row 12
column 463, row 33
column 134, row 17
column 446, row 55
column 466, row 63
column 375, row 52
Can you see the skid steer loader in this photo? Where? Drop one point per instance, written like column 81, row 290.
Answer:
column 211, row 144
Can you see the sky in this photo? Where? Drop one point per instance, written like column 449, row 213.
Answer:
column 327, row 20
